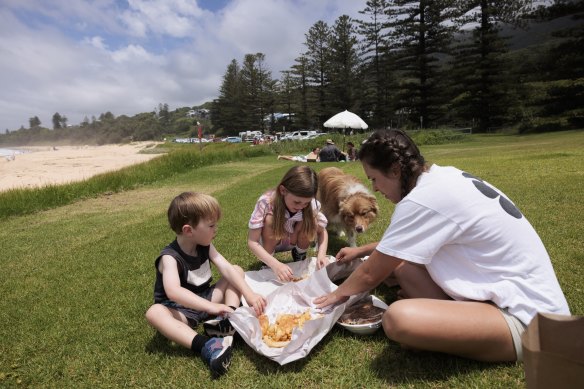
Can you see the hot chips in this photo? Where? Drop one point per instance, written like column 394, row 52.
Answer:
column 279, row 334
column 296, row 279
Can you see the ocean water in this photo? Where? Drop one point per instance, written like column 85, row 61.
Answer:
column 9, row 152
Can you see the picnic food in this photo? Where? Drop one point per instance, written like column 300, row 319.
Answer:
column 362, row 312
column 296, row 279
column 279, row 334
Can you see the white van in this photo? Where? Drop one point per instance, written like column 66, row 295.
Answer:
column 301, row 135
column 248, row 136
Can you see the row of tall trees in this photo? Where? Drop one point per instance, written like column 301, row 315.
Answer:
column 406, row 63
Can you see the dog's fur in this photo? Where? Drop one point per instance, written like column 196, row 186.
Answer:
column 348, row 205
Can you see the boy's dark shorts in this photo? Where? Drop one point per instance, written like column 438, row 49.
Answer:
column 193, row 317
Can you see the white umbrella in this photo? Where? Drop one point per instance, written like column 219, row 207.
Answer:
column 346, row 119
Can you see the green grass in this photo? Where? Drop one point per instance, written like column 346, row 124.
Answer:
column 77, row 278
column 182, row 158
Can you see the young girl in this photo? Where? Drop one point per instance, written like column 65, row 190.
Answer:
column 288, row 217
column 472, row 270
column 183, row 293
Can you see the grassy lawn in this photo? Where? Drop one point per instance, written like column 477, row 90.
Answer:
column 78, row 278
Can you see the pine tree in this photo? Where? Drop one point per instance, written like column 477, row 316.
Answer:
column 257, row 89
column 344, row 63
column 287, row 93
column 422, row 33
column 299, row 74
column 34, row 122
column 227, row 110
column 318, row 55
column 483, row 82
column 374, row 56
column 56, row 121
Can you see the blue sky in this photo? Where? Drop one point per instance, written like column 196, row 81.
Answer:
column 84, row 58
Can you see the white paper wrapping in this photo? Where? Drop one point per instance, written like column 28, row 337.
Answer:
column 293, row 297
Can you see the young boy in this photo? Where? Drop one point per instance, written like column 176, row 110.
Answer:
column 183, row 293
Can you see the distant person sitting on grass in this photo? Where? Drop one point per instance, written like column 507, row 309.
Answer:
column 183, row 293
column 310, row 157
column 351, row 152
column 330, row 152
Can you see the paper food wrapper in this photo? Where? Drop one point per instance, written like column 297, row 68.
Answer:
column 265, row 281
column 293, row 297
column 553, row 352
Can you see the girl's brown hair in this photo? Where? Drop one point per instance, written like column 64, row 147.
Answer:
column 190, row 208
column 386, row 147
column 301, row 181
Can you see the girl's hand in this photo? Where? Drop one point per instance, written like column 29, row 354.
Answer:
column 220, row 310
column 258, row 303
column 283, row 272
column 347, row 254
column 321, row 262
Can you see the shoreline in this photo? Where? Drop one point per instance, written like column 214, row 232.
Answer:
column 38, row 166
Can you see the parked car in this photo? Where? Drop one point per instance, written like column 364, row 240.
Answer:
column 316, row 135
column 233, row 139
column 302, row 134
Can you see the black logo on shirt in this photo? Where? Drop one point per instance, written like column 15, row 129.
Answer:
column 493, row 194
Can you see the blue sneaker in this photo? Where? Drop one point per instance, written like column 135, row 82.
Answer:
column 218, row 327
column 217, row 353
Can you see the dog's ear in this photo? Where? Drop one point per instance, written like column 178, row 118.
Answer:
column 342, row 202
column 374, row 203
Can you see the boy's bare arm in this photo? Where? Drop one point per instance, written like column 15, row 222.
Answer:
column 235, row 278
column 175, row 292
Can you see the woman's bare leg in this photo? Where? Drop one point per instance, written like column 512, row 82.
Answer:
column 428, row 319
column 470, row 329
column 415, row 282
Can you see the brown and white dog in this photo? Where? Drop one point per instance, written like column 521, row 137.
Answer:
column 347, row 204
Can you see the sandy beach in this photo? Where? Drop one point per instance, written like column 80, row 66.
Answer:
column 42, row 165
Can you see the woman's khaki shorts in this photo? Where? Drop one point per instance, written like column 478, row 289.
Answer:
column 517, row 328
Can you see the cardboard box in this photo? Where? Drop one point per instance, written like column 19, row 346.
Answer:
column 553, row 352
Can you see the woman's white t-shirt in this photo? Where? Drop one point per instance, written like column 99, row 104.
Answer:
column 475, row 244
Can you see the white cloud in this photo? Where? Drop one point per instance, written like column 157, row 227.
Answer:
column 175, row 18
column 136, row 54
column 86, row 58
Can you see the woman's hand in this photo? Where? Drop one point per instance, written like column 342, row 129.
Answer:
column 329, row 299
column 347, row 254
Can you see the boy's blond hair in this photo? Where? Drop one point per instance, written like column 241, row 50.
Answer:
column 190, row 208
